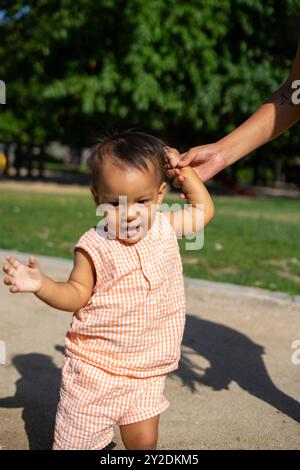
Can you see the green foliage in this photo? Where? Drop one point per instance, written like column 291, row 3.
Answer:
column 174, row 67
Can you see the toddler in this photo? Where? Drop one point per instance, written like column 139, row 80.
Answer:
column 126, row 291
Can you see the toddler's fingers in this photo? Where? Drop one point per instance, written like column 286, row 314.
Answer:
column 178, row 182
column 8, row 270
column 7, row 280
column 172, row 152
column 174, row 160
column 171, row 173
column 33, row 262
column 166, row 155
column 13, row 261
column 14, row 289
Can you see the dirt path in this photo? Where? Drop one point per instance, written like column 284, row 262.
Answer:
column 48, row 186
column 42, row 187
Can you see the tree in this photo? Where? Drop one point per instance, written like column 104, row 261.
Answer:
column 189, row 71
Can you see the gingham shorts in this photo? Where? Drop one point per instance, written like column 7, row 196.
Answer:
column 92, row 401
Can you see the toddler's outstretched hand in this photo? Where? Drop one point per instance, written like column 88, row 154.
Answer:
column 23, row 278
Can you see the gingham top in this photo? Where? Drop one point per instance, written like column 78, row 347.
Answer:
column 133, row 323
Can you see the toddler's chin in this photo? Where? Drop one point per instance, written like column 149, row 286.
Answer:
column 134, row 238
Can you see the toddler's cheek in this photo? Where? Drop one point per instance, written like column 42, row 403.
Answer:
column 112, row 222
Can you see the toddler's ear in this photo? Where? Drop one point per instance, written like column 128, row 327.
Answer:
column 161, row 191
column 162, row 187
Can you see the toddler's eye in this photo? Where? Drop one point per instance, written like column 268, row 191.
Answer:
column 115, row 204
column 144, row 201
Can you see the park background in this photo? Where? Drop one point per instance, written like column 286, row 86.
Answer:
column 188, row 72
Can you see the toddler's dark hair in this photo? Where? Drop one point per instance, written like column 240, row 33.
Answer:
column 131, row 148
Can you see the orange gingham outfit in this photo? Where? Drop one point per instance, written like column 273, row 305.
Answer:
column 123, row 342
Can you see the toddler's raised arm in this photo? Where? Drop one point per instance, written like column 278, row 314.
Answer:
column 200, row 210
column 70, row 295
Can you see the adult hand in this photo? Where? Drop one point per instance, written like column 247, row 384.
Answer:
column 207, row 161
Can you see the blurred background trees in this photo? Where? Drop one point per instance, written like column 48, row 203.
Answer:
column 187, row 71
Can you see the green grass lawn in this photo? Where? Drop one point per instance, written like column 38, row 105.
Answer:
column 254, row 242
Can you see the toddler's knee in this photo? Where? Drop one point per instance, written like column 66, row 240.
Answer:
column 142, row 441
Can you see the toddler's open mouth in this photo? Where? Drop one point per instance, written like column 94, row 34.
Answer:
column 131, row 231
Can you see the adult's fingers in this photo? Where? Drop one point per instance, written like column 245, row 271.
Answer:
column 187, row 158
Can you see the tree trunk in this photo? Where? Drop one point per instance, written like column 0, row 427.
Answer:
column 41, row 162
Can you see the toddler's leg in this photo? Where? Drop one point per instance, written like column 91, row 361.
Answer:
column 142, row 435
column 84, row 420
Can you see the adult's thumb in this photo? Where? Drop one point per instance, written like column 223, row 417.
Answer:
column 186, row 159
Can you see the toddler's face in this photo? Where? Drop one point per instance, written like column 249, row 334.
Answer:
column 133, row 195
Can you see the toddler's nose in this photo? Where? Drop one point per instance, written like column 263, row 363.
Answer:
column 130, row 217
column 132, row 213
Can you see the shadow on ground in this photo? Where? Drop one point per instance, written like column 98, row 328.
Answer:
column 232, row 357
